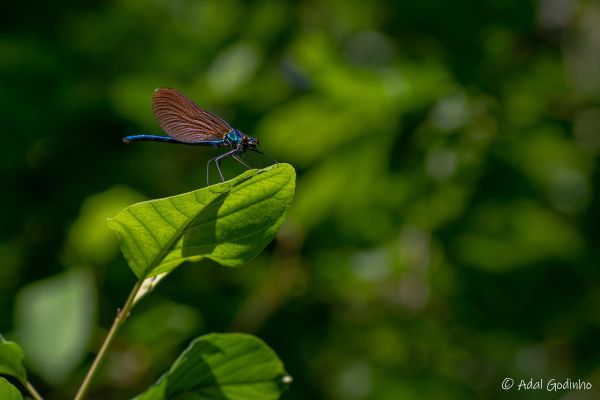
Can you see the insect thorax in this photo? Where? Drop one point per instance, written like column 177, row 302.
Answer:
column 233, row 138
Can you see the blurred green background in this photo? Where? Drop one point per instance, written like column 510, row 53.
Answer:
column 444, row 233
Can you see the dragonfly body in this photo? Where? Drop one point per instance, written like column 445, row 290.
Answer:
column 186, row 123
column 234, row 139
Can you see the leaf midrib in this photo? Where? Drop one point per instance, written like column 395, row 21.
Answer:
column 175, row 237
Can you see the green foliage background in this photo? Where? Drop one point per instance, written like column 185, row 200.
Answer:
column 444, row 233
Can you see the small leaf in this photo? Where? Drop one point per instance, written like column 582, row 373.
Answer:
column 231, row 366
column 54, row 319
column 8, row 391
column 229, row 223
column 11, row 360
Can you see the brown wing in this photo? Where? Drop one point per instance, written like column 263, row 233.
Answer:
column 183, row 120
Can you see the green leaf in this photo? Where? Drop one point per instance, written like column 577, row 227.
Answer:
column 231, row 366
column 12, row 360
column 8, row 391
column 229, row 223
column 54, row 323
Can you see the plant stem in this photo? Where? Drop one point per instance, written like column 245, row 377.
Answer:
column 34, row 393
column 121, row 317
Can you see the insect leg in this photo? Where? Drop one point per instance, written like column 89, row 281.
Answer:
column 239, row 159
column 208, row 171
column 218, row 164
column 217, row 161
